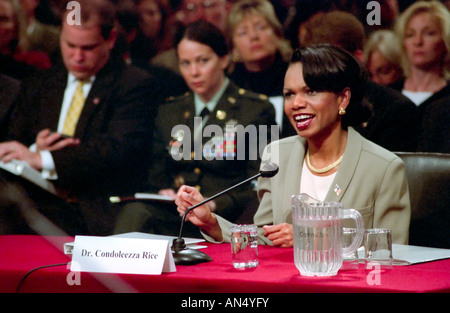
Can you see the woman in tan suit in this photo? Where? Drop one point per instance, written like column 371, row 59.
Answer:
column 329, row 160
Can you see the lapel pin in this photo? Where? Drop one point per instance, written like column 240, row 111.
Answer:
column 337, row 189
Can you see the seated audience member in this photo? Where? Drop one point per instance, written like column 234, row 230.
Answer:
column 393, row 124
column 436, row 127
column 260, row 53
column 150, row 38
column 14, row 40
column 328, row 159
column 380, row 16
column 41, row 37
column 167, row 82
column 189, row 11
column 198, row 137
column 424, row 33
column 382, row 57
column 9, row 90
column 103, row 106
column 15, row 69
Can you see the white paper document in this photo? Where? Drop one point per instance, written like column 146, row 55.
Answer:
column 153, row 196
column 22, row 169
column 413, row 254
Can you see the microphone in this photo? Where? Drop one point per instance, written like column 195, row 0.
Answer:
column 185, row 256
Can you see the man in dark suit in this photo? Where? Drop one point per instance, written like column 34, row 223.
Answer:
column 9, row 89
column 106, row 149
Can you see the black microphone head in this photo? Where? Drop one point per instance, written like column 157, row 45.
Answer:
column 269, row 170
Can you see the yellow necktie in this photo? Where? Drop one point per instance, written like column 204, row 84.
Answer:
column 74, row 112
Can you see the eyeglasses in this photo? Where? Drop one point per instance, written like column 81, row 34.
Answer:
column 250, row 5
column 6, row 21
column 206, row 5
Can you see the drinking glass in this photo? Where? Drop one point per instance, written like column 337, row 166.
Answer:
column 350, row 260
column 378, row 247
column 244, row 246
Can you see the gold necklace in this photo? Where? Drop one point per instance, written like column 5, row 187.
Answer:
column 326, row 168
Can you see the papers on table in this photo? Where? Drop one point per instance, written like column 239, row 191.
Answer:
column 413, row 254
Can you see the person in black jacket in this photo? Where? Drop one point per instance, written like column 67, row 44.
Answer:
column 9, row 90
column 106, row 151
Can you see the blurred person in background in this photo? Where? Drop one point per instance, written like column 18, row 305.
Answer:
column 189, row 11
column 382, row 57
column 42, row 37
column 169, row 83
column 17, row 59
column 151, row 36
column 424, row 33
column 259, row 52
column 9, row 90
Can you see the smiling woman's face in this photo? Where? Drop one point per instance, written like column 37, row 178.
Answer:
column 314, row 114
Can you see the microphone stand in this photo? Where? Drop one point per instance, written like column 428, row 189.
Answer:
column 185, row 256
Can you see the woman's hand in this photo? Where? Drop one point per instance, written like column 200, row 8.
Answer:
column 281, row 235
column 202, row 216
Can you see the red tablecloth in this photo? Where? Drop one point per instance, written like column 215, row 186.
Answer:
column 276, row 273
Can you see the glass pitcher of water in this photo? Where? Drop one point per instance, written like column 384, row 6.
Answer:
column 318, row 235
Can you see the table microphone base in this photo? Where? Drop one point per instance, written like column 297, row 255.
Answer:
column 184, row 256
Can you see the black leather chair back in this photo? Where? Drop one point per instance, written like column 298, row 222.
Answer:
column 429, row 187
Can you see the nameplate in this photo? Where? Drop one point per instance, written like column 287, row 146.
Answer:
column 121, row 255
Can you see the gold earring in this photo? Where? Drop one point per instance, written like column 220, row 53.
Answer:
column 341, row 111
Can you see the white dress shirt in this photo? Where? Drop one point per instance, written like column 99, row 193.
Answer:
column 48, row 165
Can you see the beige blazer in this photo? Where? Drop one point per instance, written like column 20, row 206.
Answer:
column 370, row 179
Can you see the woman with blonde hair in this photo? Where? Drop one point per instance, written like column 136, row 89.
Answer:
column 382, row 56
column 260, row 53
column 424, row 33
